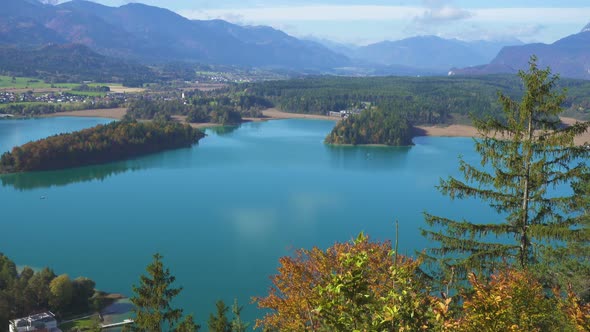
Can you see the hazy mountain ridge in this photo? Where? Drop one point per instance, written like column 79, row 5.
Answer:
column 569, row 57
column 431, row 52
column 154, row 34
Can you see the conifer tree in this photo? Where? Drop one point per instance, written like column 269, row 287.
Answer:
column 524, row 156
column 219, row 322
column 237, row 325
column 152, row 298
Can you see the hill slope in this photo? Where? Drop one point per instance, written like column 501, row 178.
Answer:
column 75, row 63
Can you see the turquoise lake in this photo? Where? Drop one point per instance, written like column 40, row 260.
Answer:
column 223, row 212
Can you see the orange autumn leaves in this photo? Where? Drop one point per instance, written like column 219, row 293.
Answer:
column 363, row 286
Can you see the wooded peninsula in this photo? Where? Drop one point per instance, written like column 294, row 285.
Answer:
column 372, row 126
column 97, row 145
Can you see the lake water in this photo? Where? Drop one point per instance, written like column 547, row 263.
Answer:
column 224, row 211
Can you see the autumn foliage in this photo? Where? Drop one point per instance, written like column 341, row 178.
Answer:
column 363, row 286
column 353, row 286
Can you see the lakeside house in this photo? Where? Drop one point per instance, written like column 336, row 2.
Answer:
column 43, row 322
column 345, row 113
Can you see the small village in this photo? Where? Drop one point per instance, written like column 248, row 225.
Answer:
column 7, row 97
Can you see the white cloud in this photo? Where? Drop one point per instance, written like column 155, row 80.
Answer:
column 310, row 13
column 439, row 11
column 401, row 13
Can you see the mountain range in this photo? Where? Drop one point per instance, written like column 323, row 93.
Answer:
column 569, row 57
column 154, row 35
column 431, row 53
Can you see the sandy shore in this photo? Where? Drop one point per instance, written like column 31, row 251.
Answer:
column 110, row 113
column 449, row 131
column 470, row 131
column 274, row 113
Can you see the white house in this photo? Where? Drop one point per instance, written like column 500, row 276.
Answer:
column 43, row 322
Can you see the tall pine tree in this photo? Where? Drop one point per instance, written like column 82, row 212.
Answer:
column 524, row 156
column 152, row 298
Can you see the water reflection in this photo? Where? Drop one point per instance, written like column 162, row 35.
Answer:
column 367, row 157
column 223, row 130
column 35, row 180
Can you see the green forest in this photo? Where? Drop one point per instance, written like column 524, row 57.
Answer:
column 373, row 126
column 421, row 100
column 27, row 291
column 200, row 108
column 100, row 144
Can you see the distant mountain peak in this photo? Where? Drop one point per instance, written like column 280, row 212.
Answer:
column 586, row 28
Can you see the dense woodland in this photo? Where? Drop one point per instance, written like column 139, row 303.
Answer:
column 100, row 144
column 200, row 108
column 373, row 126
column 421, row 100
column 28, row 291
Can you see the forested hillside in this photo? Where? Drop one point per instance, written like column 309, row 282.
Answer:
column 70, row 63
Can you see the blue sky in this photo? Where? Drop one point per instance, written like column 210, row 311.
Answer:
column 363, row 22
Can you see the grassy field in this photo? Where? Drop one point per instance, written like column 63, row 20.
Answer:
column 65, row 106
column 82, row 324
column 7, row 82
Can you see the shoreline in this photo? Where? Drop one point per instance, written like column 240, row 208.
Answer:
column 109, row 113
column 453, row 130
column 456, row 130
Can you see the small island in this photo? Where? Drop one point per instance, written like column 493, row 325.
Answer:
column 97, row 145
column 372, row 126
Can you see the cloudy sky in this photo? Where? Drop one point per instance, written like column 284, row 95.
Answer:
column 366, row 21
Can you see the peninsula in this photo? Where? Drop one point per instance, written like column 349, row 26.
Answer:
column 97, row 145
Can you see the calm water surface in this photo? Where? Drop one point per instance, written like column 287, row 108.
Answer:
column 224, row 211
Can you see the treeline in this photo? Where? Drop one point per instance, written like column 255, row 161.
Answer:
column 199, row 108
column 88, row 88
column 372, row 126
column 27, row 292
column 421, row 100
column 40, row 108
column 100, row 144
